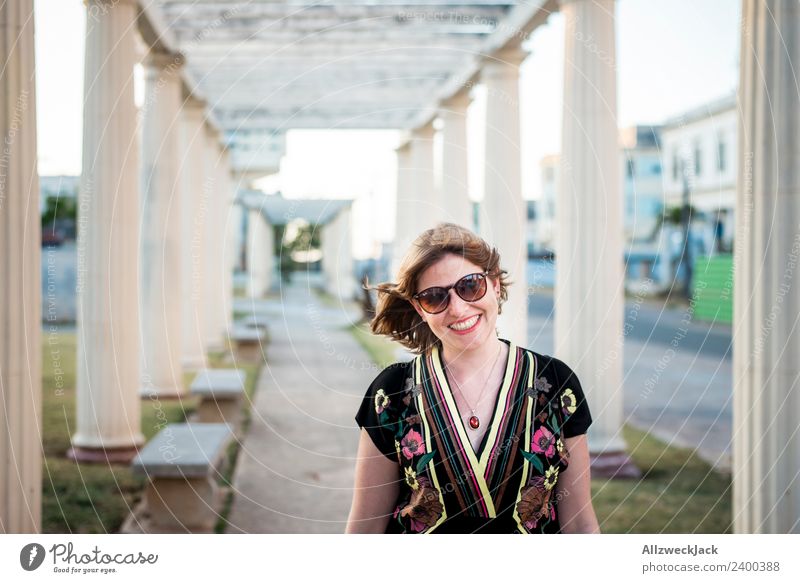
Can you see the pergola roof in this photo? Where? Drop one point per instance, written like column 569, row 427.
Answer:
column 281, row 211
column 267, row 66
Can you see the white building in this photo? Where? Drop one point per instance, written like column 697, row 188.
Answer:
column 640, row 165
column 703, row 141
column 640, row 176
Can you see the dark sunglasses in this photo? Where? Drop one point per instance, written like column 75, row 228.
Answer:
column 469, row 288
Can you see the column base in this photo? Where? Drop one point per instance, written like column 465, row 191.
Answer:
column 99, row 455
column 193, row 364
column 613, row 465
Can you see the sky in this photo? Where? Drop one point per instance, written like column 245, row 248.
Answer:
column 672, row 55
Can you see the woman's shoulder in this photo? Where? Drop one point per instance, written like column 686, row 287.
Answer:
column 391, row 379
column 548, row 366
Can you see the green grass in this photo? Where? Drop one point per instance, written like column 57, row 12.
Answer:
column 677, row 493
column 92, row 498
column 232, row 455
column 381, row 350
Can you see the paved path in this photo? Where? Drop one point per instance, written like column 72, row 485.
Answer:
column 295, row 469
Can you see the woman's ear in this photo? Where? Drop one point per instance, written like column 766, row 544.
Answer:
column 418, row 309
column 496, row 285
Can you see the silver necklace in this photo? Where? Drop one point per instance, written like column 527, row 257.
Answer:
column 474, row 420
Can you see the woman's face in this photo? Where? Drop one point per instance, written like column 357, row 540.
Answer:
column 480, row 315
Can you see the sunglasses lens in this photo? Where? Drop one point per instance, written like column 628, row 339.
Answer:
column 472, row 287
column 434, row 301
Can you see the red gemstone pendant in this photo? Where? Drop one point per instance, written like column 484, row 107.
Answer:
column 474, row 422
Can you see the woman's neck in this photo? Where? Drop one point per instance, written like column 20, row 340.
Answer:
column 471, row 362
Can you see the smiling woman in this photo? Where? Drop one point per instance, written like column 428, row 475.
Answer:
column 475, row 434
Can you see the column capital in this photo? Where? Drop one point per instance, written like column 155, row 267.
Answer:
column 194, row 104
column 212, row 132
column 458, row 102
column 424, row 132
column 164, row 60
column 503, row 62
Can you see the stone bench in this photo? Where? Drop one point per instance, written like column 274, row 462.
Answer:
column 249, row 342
column 254, row 320
column 182, row 463
column 221, row 393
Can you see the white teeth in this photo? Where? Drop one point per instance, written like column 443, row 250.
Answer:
column 465, row 324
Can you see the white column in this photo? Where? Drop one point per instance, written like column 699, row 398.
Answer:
column 236, row 233
column 503, row 220
column 194, row 212
column 269, row 255
column 212, row 252
column 258, row 248
column 345, row 280
column 766, row 447
column 20, row 279
column 227, row 245
column 330, row 254
column 425, row 200
column 589, row 274
column 455, row 184
column 406, row 217
column 107, row 385
column 161, row 266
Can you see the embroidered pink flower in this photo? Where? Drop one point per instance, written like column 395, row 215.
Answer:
column 543, row 442
column 412, row 444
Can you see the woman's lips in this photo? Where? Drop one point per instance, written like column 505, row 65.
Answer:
column 468, row 330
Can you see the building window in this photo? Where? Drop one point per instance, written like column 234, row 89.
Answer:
column 697, row 155
column 721, row 161
column 675, row 165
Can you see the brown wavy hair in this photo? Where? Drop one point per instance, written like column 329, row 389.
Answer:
column 395, row 316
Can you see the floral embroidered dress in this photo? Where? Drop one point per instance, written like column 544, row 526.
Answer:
column 509, row 484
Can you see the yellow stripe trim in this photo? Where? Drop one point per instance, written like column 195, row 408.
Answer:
column 500, row 407
column 478, row 469
column 525, row 463
column 428, row 443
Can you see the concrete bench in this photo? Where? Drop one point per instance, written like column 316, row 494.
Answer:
column 254, row 320
column 249, row 342
column 182, row 463
column 221, row 393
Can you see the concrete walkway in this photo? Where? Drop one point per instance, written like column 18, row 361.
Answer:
column 295, row 469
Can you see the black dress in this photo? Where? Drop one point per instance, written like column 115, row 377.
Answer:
column 509, row 484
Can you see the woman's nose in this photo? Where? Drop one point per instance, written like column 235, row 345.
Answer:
column 457, row 306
